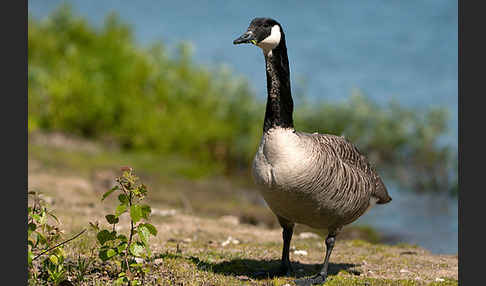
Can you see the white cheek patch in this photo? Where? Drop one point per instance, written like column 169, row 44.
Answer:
column 272, row 41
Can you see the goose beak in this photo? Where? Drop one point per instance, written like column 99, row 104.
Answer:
column 247, row 37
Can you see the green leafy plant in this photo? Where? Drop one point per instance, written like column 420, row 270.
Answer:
column 41, row 234
column 54, row 266
column 124, row 249
column 42, row 238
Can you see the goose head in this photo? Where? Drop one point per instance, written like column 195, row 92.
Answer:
column 265, row 33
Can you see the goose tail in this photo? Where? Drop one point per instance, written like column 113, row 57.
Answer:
column 381, row 193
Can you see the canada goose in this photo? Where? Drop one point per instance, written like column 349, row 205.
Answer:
column 319, row 180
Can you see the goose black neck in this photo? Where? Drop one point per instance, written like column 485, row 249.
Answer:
column 279, row 100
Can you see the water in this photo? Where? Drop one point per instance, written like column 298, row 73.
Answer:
column 406, row 50
column 427, row 220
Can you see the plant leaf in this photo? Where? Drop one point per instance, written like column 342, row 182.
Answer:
column 120, row 209
column 143, row 233
column 122, row 246
column 31, row 227
column 109, row 192
column 110, row 253
column 146, row 210
column 123, row 199
column 36, row 217
column 54, row 259
column 40, row 238
column 136, row 249
column 30, row 256
column 121, row 280
column 135, row 213
column 142, row 189
column 104, row 236
column 106, row 253
column 151, row 228
column 112, row 219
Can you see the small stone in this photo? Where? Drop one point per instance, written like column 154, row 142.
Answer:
column 439, row 279
column 243, row 277
column 230, row 240
column 404, row 271
column 305, row 235
column 300, row 252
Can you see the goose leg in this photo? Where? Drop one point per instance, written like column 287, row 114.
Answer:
column 322, row 275
column 288, row 229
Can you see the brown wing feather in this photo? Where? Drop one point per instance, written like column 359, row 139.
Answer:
column 351, row 155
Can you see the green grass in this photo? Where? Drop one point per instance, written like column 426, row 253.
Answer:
column 151, row 163
column 241, row 264
column 352, row 281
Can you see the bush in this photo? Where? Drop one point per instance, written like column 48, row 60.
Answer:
column 97, row 83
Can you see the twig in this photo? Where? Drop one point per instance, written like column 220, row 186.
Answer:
column 55, row 246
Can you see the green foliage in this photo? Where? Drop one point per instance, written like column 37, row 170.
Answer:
column 123, row 249
column 54, row 265
column 42, row 238
column 97, row 82
column 41, row 235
